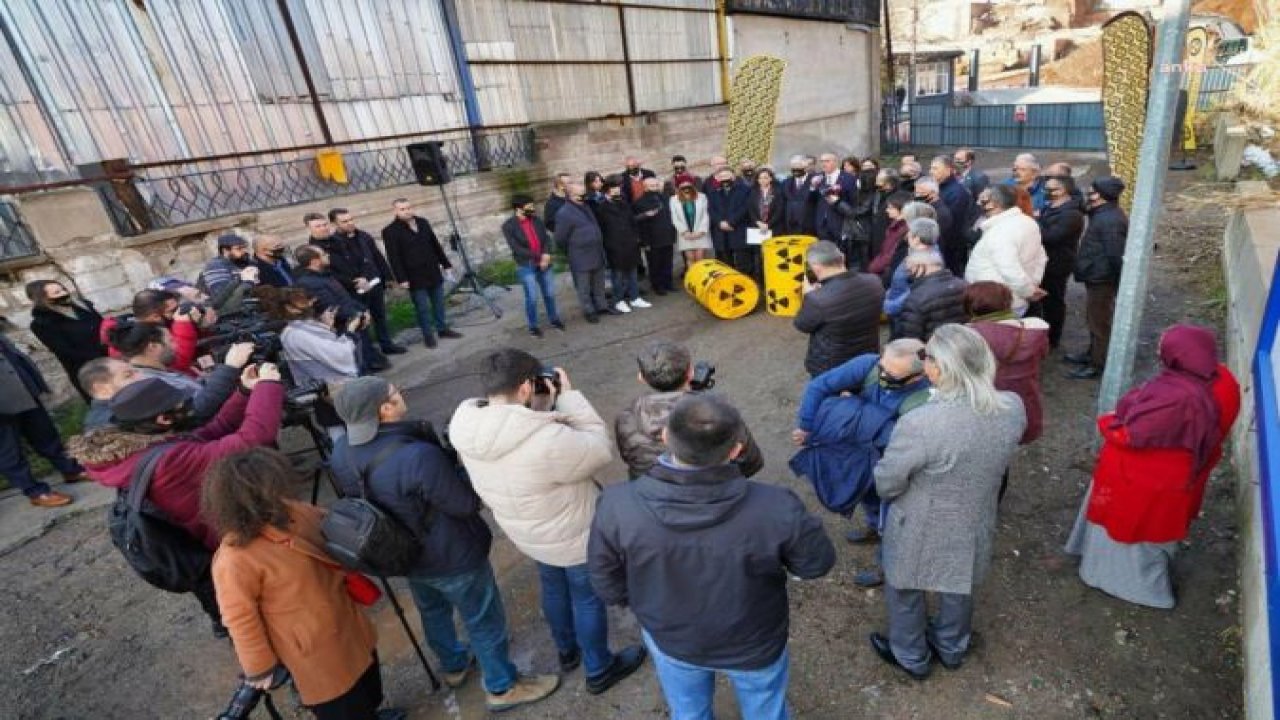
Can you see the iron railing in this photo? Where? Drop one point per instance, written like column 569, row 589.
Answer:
column 16, row 238
column 172, row 198
column 866, row 12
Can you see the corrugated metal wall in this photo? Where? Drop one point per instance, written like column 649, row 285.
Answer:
column 169, row 80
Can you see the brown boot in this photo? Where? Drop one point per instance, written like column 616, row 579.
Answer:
column 51, row 499
column 528, row 689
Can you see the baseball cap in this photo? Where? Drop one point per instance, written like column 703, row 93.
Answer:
column 147, row 398
column 357, row 403
column 231, row 240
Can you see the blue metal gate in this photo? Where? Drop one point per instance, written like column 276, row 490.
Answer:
column 1057, row 126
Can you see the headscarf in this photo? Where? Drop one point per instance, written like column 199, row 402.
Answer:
column 1176, row 409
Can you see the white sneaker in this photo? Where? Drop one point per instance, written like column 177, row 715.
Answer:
column 641, row 303
column 622, row 307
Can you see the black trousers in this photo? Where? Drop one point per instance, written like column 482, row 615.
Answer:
column 659, row 261
column 746, row 260
column 376, row 301
column 37, row 428
column 1053, row 307
column 360, row 702
column 208, row 599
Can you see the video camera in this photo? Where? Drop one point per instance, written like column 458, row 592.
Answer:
column 247, row 324
column 546, row 373
column 704, row 376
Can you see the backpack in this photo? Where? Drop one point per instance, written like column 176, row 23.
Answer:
column 163, row 554
column 364, row 537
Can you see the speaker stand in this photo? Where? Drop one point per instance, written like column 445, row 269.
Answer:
column 469, row 282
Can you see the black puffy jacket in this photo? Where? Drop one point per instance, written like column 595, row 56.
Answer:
column 842, row 319
column 935, row 300
column 1060, row 229
column 1101, row 256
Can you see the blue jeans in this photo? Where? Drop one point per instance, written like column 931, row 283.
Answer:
column 429, row 305
column 475, row 595
column 690, row 689
column 626, row 285
column 577, row 617
column 535, row 281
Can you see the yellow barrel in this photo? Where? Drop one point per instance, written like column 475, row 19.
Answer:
column 725, row 292
column 783, row 259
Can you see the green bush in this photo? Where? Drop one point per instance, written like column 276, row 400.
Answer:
column 401, row 315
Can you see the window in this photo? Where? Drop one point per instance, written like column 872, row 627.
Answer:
column 268, row 53
column 933, row 78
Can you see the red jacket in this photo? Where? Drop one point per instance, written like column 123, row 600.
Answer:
column 184, row 334
column 110, row 454
column 1153, row 494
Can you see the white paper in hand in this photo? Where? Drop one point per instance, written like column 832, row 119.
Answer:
column 756, row 236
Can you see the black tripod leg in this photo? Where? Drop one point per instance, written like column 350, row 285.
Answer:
column 404, row 622
column 476, row 288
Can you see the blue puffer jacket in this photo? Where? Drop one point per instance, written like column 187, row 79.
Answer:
column 422, row 488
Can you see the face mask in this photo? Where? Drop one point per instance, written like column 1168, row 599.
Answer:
column 867, row 177
column 678, row 168
column 242, row 261
column 797, row 173
column 528, row 213
column 890, row 382
column 64, row 300
column 277, row 254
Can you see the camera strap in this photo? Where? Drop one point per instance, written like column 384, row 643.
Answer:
column 271, row 707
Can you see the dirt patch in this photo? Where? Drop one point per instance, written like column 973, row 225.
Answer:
column 1050, row 647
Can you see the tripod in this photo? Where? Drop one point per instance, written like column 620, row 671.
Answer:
column 469, row 282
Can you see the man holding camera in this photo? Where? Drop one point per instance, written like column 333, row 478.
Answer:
column 701, row 555
column 668, row 368
column 532, row 447
column 151, row 412
column 409, row 476
column 228, row 278
column 165, row 309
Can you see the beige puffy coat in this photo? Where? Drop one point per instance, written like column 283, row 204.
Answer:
column 535, row 471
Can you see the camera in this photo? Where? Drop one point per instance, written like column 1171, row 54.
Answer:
column 246, row 697
column 546, row 373
column 704, row 376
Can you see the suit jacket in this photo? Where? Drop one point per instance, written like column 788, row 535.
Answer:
column 798, row 198
column 828, row 223
column 329, row 292
column 653, row 218
column 621, row 236
column 578, row 233
column 269, row 273
column 730, row 207
column 416, row 256
column 353, row 257
column 777, row 214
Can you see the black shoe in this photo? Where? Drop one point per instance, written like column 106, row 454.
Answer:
column 394, row 349
column 558, row 325
column 450, row 333
column 570, row 661
column 624, row 663
column 941, row 659
column 1082, row 358
column 1087, row 372
column 429, row 341
column 593, row 318
column 870, row 536
column 220, row 630
column 535, row 332
column 880, row 644
column 611, row 311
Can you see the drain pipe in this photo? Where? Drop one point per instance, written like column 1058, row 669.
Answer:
column 470, row 102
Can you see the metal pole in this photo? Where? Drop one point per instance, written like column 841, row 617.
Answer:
column 626, row 60
column 1148, row 194
column 296, row 43
column 462, row 66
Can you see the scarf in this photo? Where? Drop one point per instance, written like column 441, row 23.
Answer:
column 1176, row 409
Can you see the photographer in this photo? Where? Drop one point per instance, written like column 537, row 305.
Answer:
column 667, row 368
column 102, row 379
column 228, row 278
column 151, row 411
column 147, row 348
column 163, row 309
column 409, row 476
column 315, row 277
column 284, row 599
column 532, row 447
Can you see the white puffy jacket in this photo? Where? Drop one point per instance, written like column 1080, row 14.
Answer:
column 1011, row 254
column 535, row 471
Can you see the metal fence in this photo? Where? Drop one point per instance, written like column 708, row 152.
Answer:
column 1059, row 126
column 1266, row 383
column 16, row 239
column 1219, row 83
column 166, row 196
column 866, row 12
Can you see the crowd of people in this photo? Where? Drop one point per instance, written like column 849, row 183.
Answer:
column 970, row 276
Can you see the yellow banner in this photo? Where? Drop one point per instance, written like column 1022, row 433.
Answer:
column 1194, row 65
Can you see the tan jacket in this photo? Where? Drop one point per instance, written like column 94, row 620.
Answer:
column 535, row 471
column 638, row 429
column 285, row 602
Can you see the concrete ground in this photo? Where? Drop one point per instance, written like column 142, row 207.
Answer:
column 84, row 638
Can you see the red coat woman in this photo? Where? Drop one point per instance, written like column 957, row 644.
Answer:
column 1159, row 448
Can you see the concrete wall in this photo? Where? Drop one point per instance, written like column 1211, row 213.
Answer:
column 82, row 250
column 831, row 89
column 1249, row 255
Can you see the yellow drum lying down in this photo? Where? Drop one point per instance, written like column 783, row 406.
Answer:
column 725, row 292
column 783, row 259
